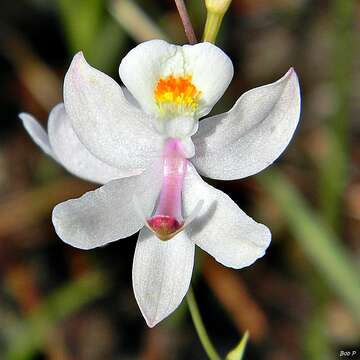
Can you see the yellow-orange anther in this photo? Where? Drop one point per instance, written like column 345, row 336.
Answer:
column 176, row 94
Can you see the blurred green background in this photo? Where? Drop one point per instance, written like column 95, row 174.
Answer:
column 301, row 301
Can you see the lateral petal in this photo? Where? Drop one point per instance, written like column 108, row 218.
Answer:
column 252, row 135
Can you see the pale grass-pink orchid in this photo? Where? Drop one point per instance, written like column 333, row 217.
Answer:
column 144, row 141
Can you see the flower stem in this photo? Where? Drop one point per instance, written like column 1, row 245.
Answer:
column 199, row 326
column 189, row 30
column 212, row 26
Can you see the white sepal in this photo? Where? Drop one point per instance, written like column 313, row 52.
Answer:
column 106, row 122
column 161, row 274
column 37, row 133
column 221, row 228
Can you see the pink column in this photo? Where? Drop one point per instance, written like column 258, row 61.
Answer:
column 168, row 215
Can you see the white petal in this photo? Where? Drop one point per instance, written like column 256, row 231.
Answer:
column 212, row 72
column 210, row 68
column 222, row 229
column 73, row 155
column 142, row 67
column 110, row 127
column 181, row 127
column 188, row 146
column 129, row 97
column 252, row 135
column 37, row 133
column 108, row 213
column 161, row 274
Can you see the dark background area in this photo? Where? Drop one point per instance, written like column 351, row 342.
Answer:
column 300, row 301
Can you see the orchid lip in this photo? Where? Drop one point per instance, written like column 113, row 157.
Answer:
column 167, row 220
column 157, row 224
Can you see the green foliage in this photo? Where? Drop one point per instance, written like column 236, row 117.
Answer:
column 135, row 21
column 90, row 29
column 318, row 240
column 30, row 334
column 238, row 352
column 334, row 169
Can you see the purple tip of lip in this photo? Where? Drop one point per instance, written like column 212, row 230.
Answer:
column 164, row 226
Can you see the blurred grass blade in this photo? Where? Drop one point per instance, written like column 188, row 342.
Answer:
column 24, row 209
column 232, row 292
column 90, row 29
column 109, row 42
column 29, row 336
column 334, row 168
column 135, row 21
column 238, row 352
column 38, row 78
column 81, row 21
column 316, row 239
column 316, row 338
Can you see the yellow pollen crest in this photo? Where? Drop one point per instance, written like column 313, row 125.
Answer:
column 177, row 94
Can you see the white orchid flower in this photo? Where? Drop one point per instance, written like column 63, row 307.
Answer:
column 146, row 144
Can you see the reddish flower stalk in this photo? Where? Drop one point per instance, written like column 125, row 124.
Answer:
column 189, row 30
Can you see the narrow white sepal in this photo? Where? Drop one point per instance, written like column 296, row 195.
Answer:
column 37, row 133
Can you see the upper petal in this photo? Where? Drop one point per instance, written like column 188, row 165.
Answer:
column 222, row 229
column 108, row 213
column 110, row 127
column 37, row 133
column 252, row 134
column 210, row 69
column 74, row 156
column 161, row 274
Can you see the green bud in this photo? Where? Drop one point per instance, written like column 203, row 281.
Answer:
column 217, row 6
column 216, row 10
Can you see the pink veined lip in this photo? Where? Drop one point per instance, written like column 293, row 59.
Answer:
column 167, row 220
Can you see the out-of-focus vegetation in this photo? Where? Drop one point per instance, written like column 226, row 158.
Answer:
column 301, row 301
